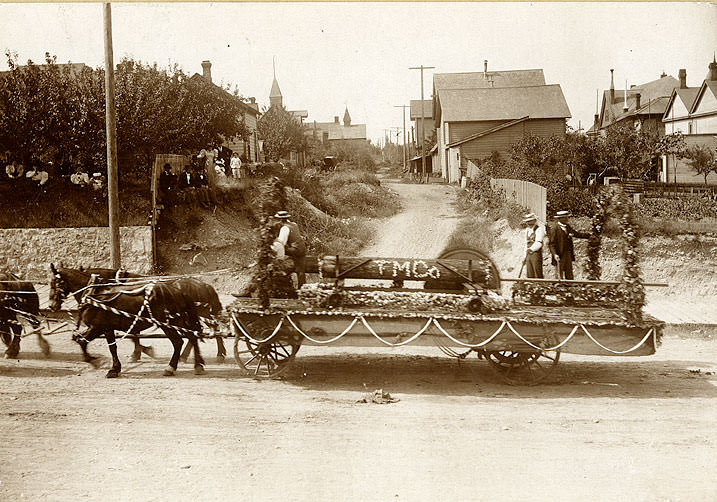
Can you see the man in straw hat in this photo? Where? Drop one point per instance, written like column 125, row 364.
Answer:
column 534, row 238
column 561, row 244
column 293, row 245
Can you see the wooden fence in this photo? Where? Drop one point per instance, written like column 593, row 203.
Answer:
column 524, row 193
column 653, row 189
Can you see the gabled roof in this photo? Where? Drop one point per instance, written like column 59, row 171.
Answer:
column 73, row 67
column 685, row 96
column 491, row 79
column 487, row 132
column 416, row 109
column 708, row 86
column 251, row 108
column 651, row 102
column 506, row 103
column 339, row 131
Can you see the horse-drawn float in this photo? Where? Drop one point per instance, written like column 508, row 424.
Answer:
column 455, row 304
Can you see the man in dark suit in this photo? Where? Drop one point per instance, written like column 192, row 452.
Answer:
column 167, row 184
column 561, row 244
column 187, row 184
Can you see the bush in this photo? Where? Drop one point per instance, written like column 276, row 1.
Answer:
column 479, row 196
column 580, row 201
column 686, row 208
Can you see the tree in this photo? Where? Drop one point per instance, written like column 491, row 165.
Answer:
column 282, row 133
column 58, row 113
column 701, row 158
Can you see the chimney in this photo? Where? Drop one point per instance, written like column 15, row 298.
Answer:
column 336, row 119
column 637, row 101
column 624, row 107
column 612, row 87
column 663, row 74
column 207, row 70
column 683, row 78
column 713, row 69
column 485, row 68
column 252, row 100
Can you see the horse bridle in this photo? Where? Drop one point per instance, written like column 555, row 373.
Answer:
column 60, row 289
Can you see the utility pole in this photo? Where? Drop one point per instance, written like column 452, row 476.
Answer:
column 423, row 119
column 404, row 133
column 111, row 127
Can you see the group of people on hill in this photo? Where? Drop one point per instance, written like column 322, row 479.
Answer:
column 37, row 174
column 40, row 174
column 560, row 243
column 224, row 162
column 190, row 186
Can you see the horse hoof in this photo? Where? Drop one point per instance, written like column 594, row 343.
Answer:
column 45, row 348
column 94, row 361
column 134, row 358
column 220, row 359
column 183, row 360
column 199, row 370
column 149, row 351
column 169, row 371
column 112, row 374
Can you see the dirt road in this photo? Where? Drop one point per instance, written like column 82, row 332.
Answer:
column 604, row 428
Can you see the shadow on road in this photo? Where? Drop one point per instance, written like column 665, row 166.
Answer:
column 411, row 374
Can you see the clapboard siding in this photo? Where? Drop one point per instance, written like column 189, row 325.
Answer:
column 249, row 147
column 459, row 130
column 502, row 140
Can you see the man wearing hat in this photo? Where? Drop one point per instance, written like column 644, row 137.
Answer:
column 290, row 239
column 534, row 237
column 561, row 244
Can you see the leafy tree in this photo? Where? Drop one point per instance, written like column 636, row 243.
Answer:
column 58, row 113
column 702, row 160
column 282, row 133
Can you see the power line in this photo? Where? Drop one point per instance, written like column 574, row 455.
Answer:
column 423, row 119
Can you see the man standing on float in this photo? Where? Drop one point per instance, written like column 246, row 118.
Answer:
column 293, row 244
column 534, row 237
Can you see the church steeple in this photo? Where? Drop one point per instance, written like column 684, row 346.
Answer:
column 275, row 97
column 347, row 118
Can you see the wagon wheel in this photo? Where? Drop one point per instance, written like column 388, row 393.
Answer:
column 465, row 254
column 523, row 368
column 267, row 359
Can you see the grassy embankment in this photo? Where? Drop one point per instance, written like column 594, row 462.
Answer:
column 334, row 211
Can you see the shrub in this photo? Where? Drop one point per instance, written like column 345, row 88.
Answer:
column 580, row 201
column 686, row 208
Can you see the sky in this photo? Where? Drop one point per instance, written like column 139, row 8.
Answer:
column 332, row 55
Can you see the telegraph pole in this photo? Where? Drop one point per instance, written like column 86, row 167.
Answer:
column 404, row 132
column 423, row 119
column 111, row 127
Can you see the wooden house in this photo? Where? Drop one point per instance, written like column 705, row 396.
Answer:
column 691, row 111
column 478, row 113
column 248, row 147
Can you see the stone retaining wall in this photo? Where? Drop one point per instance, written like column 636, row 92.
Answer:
column 28, row 252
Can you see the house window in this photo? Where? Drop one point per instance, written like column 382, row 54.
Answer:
column 689, row 128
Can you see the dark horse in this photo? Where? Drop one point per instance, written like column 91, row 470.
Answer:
column 18, row 295
column 206, row 301
column 66, row 281
column 132, row 309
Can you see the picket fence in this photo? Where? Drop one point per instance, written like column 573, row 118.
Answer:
column 524, row 193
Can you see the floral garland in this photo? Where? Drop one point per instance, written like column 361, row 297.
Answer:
column 631, row 287
column 332, row 297
column 273, row 199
